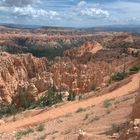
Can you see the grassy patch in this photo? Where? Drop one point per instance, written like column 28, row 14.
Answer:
column 118, row 76
column 108, row 102
column 43, row 137
column 117, row 102
column 67, row 131
column 80, row 110
column 40, row 127
column 134, row 69
column 108, row 111
column 54, row 132
column 86, row 117
column 115, row 127
column 26, row 132
column 126, row 98
column 96, row 118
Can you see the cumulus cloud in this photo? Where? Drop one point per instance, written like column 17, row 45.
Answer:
column 27, row 8
column 34, row 13
column 18, row 3
column 83, row 9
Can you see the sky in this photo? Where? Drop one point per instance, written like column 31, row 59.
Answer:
column 70, row 13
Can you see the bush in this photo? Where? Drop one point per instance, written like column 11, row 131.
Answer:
column 118, row 76
column 107, row 103
column 80, row 110
column 86, row 117
column 96, row 118
column 6, row 110
column 43, row 137
column 40, row 127
column 135, row 69
column 20, row 134
column 50, row 98
column 115, row 128
column 93, row 88
column 23, row 100
column 71, row 96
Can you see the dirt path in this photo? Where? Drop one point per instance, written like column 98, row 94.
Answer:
column 71, row 107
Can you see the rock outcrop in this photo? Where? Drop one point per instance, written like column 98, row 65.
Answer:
column 89, row 47
column 136, row 108
column 24, row 73
column 16, row 70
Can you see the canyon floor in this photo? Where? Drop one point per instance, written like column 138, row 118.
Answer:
column 95, row 116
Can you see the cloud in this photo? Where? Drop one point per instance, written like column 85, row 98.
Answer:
column 84, row 10
column 31, row 12
column 26, row 9
column 70, row 12
column 18, row 3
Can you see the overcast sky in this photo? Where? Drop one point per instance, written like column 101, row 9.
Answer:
column 73, row 13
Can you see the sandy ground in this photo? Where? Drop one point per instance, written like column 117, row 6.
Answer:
column 70, row 107
column 95, row 120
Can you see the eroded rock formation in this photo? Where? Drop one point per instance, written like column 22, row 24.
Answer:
column 24, row 73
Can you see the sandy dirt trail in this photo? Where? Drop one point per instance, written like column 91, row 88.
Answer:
column 71, row 107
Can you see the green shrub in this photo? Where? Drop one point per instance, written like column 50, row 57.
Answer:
column 80, row 110
column 115, row 127
column 23, row 100
column 20, row 134
column 86, row 116
column 43, row 137
column 71, row 96
column 50, row 98
column 135, row 69
column 6, row 110
column 108, row 111
column 93, row 88
column 118, row 76
column 96, row 118
column 40, row 127
column 107, row 103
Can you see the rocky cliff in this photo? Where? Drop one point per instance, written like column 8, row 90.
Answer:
column 17, row 70
column 82, row 69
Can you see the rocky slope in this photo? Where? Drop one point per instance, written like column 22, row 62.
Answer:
column 132, row 129
column 25, row 73
column 16, row 70
column 48, row 45
column 89, row 47
column 86, row 64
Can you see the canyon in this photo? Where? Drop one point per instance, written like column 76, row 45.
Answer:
column 33, row 60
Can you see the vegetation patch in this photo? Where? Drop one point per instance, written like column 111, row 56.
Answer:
column 26, row 132
column 126, row 98
column 54, row 132
column 86, row 117
column 67, row 131
column 118, row 76
column 115, row 127
column 71, row 96
column 96, row 118
column 43, row 137
column 7, row 110
column 134, row 69
column 107, row 103
column 108, row 111
column 40, row 127
column 80, row 110
column 93, row 88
